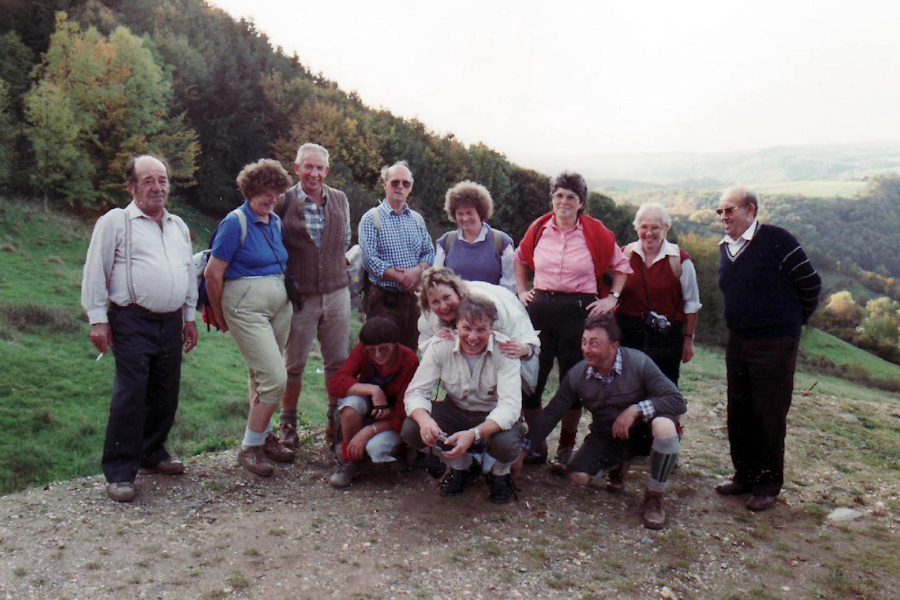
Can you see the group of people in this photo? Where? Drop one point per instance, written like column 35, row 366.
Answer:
column 487, row 317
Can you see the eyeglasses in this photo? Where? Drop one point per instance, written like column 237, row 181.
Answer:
column 396, row 183
column 728, row 211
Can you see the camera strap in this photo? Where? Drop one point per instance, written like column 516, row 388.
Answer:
column 646, row 291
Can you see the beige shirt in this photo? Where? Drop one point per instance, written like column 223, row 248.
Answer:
column 162, row 265
column 493, row 386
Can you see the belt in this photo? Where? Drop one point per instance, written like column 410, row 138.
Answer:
column 143, row 311
column 554, row 294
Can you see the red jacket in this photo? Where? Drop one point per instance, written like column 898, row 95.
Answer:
column 601, row 243
column 356, row 370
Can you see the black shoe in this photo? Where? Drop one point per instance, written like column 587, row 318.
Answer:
column 432, row 465
column 760, row 503
column 502, row 489
column 454, row 483
column 732, row 488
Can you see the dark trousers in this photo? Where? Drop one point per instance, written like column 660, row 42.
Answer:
column 601, row 451
column 147, row 350
column 503, row 446
column 760, row 385
column 560, row 319
column 400, row 307
column 664, row 349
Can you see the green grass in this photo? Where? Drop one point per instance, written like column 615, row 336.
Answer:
column 816, row 342
column 55, row 394
column 54, row 400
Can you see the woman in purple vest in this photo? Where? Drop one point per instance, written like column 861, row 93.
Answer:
column 475, row 251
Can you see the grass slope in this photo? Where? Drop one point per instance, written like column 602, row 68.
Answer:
column 54, row 403
column 55, row 398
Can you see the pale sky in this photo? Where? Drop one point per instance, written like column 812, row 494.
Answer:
column 569, row 79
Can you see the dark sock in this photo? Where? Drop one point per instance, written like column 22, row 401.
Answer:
column 289, row 416
column 567, row 438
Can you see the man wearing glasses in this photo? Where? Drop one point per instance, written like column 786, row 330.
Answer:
column 396, row 248
column 770, row 290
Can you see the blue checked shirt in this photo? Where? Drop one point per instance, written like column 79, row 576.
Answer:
column 401, row 244
column 315, row 217
column 645, row 406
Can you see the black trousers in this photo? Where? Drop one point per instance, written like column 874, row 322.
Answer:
column 760, row 385
column 664, row 349
column 400, row 307
column 147, row 348
column 560, row 319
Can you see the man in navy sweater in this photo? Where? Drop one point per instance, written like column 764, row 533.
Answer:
column 770, row 290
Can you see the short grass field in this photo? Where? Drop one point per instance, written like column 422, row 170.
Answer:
column 55, row 394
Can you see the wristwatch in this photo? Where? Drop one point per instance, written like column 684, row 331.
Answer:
column 477, row 434
column 615, row 295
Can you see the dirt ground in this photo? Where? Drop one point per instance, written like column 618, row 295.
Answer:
column 219, row 532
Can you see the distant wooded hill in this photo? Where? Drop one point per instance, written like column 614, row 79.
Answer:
column 721, row 169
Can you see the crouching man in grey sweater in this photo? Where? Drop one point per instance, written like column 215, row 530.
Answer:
column 635, row 410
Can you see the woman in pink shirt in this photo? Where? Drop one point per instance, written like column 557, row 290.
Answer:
column 569, row 253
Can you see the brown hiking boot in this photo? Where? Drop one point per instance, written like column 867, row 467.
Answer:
column 276, row 451
column 169, row 466
column 121, row 491
column 560, row 464
column 288, row 436
column 254, row 460
column 615, row 479
column 652, row 512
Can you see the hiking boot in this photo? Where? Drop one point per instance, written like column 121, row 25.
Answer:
column 454, row 483
column 502, row 489
column 615, row 479
column 732, row 488
column 537, row 456
column 275, row 450
column 432, row 465
column 169, row 466
column 121, row 491
column 347, row 471
column 652, row 512
column 254, row 460
column 288, row 436
column 760, row 503
column 560, row 464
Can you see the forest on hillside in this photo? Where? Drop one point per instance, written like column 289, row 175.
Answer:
column 85, row 84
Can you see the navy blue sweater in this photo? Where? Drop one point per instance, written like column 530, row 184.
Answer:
column 770, row 288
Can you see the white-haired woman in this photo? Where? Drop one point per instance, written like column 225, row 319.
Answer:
column 658, row 307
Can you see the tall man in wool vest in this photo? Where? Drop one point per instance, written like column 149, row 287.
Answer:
column 317, row 234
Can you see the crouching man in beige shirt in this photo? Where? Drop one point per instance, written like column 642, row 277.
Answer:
column 483, row 404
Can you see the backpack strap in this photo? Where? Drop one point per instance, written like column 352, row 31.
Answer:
column 448, row 242
column 242, row 219
column 675, row 262
column 498, row 241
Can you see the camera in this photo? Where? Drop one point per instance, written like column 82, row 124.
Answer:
column 442, row 445
column 658, row 322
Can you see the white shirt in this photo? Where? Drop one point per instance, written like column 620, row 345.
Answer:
column 690, row 291
column 512, row 318
column 162, row 265
column 736, row 245
column 492, row 386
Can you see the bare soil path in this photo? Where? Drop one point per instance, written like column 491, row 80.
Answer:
column 218, row 532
